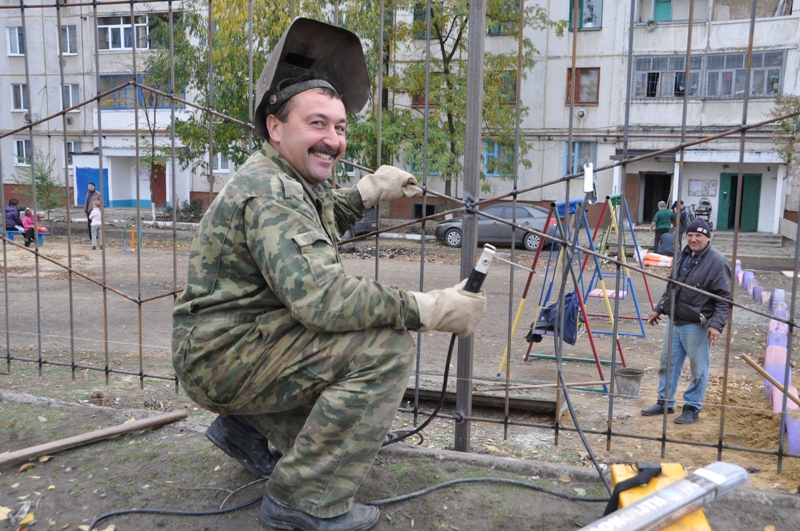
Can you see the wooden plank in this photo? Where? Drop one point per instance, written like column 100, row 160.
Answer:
column 87, row 438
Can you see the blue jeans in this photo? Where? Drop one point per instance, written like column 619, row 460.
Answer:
column 689, row 340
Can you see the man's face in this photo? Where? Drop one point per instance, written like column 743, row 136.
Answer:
column 91, row 188
column 697, row 241
column 313, row 138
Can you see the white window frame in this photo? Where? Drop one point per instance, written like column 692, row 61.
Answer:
column 69, row 35
column 111, row 32
column 19, row 95
column 15, row 41
column 22, row 152
column 222, row 164
column 73, row 146
column 70, row 96
column 665, row 72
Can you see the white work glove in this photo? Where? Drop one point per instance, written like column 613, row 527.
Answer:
column 451, row 310
column 386, row 184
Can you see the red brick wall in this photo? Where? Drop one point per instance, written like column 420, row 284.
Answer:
column 15, row 190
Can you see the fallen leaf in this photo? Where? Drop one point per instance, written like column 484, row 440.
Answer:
column 51, row 487
column 83, row 527
column 216, row 468
column 11, row 424
column 565, row 479
column 769, row 528
column 412, row 522
column 26, row 466
column 35, row 477
column 783, row 514
column 66, row 527
column 28, row 519
column 112, row 527
column 51, row 522
column 45, row 458
column 42, row 419
column 132, row 419
column 15, row 485
column 4, row 512
column 581, row 492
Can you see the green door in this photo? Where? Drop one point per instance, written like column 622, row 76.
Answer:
column 751, row 201
column 663, row 10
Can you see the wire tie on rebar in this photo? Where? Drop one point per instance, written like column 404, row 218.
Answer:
column 458, row 417
column 470, row 207
column 424, row 190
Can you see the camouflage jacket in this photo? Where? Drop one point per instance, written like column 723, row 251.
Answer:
column 264, row 270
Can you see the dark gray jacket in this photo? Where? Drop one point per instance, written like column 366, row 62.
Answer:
column 709, row 271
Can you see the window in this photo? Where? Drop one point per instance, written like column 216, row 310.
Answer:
column 664, row 77
column 590, row 14
column 115, row 32
column 16, row 42
column 69, row 40
column 725, row 75
column 662, row 10
column 582, row 152
column 587, row 88
column 127, row 96
column 502, row 17
column 507, row 81
column 498, row 158
column 19, row 97
column 221, row 163
column 71, row 96
column 420, row 21
column 73, row 146
column 22, row 152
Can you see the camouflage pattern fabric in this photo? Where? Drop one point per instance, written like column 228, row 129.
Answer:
column 265, row 282
column 333, row 406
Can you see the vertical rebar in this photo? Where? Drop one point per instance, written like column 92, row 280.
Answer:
column 472, row 161
column 517, row 141
column 622, row 211
column 32, row 161
column 249, row 75
column 101, row 181
column 379, row 137
column 426, row 114
column 211, row 149
column 137, row 179
column 61, row 44
column 173, row 165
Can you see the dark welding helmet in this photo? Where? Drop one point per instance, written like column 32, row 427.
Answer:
column 312, row 54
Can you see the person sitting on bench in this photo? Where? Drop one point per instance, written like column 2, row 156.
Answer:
column 13, row 221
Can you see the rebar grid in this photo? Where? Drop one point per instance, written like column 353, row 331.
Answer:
column 742, row 130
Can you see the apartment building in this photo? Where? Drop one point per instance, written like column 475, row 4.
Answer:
column 50, row 48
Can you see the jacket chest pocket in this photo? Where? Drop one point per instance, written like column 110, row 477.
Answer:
column 319, row 254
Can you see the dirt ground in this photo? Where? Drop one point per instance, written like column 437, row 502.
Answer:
column 105, row 329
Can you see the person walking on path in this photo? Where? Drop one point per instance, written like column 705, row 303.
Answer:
column 270, row 333
column 698, row 322
column 92, row 195
column 662, row 222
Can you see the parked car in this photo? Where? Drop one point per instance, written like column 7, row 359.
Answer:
column 491, row 231
column 367, row 224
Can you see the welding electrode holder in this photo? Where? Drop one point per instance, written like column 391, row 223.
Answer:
column 481, row 269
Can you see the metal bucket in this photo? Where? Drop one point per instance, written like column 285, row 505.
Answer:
column 629, row 381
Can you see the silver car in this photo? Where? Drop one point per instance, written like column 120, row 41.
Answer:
column 495, row 232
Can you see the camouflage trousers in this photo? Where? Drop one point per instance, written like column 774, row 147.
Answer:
column 328, row 412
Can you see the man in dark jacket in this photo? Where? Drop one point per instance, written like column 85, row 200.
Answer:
column 698, row 321
column 92, row 195
column 12, row 215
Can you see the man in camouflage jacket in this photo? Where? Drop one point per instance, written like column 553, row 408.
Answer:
column 271, row 334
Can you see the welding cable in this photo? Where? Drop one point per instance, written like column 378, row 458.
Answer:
column 416, row 431
column 422, row 492
column 174, row 513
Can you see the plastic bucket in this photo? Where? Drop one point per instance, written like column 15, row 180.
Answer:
column 629, row 381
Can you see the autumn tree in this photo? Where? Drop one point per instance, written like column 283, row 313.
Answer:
column 403, row 125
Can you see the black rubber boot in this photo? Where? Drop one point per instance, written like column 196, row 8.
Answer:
column 277, row 514
column 237, row 438
column 657, row 409
column 690, row 415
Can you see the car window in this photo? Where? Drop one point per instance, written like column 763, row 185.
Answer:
column 495, row 210
column 522, row 213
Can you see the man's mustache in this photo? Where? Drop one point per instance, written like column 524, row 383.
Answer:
column 322, row 148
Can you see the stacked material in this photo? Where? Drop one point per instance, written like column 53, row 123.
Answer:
column 776, row 354
column 657, row 260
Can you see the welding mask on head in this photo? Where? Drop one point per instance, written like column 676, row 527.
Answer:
column 312, row 54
